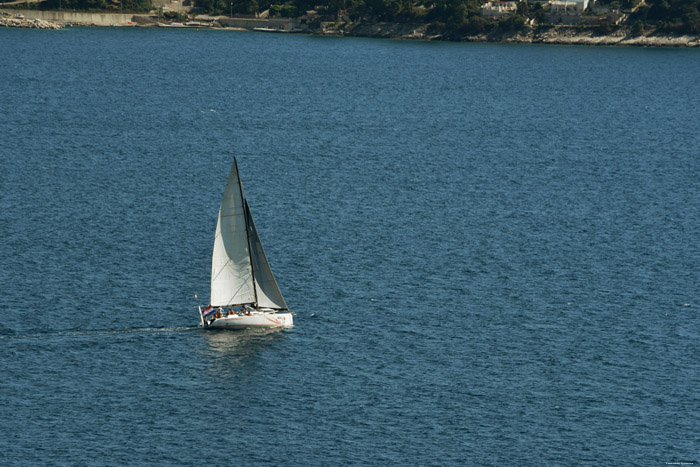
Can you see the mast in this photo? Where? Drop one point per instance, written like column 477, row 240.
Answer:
column 247, row 229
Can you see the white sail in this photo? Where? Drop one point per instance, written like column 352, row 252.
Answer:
column 267, row 291
column 231, row 268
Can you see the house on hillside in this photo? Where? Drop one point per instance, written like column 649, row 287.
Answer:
column 571, row 12
column 494, row 9
column 568, row 6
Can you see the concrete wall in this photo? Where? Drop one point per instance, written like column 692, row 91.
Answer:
column 556, row 18
column 72, row 17
column 285, row 24
column 119, row 19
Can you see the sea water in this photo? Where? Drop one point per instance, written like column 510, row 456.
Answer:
column 491, row 250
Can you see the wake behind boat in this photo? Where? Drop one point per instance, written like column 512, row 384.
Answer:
column 244, row 292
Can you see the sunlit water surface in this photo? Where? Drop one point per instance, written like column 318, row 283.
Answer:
column 491, row 250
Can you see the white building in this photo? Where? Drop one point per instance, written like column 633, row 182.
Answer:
column 497, row 8
column 568, row 6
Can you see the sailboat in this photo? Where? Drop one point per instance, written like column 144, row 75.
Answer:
column 244, row 292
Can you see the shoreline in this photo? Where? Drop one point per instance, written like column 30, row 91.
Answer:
column 554, row 35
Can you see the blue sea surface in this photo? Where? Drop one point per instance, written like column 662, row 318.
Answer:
column 492, row 251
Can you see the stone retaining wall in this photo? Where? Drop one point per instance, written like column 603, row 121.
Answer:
column 73, row 17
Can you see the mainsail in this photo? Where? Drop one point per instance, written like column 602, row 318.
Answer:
column 240, row 272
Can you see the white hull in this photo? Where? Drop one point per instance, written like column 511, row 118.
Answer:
column 254, row 320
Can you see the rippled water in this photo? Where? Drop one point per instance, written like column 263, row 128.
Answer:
column 492, row 251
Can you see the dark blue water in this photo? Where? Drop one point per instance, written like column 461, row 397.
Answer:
column 492, row 251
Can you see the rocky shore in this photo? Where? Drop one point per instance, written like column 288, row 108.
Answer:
column 10, row 22
column 565, row 35
column 574, row 36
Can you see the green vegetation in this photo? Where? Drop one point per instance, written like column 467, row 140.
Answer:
column 451, row 18
column 175, row 16
column 132, row 6
column 288, row 10
column 675, row 16
column 462, row 17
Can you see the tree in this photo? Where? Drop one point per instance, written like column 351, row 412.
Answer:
column 637, row 28
column 512, row 23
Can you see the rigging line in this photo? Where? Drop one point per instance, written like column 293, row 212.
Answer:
column 246, row 214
